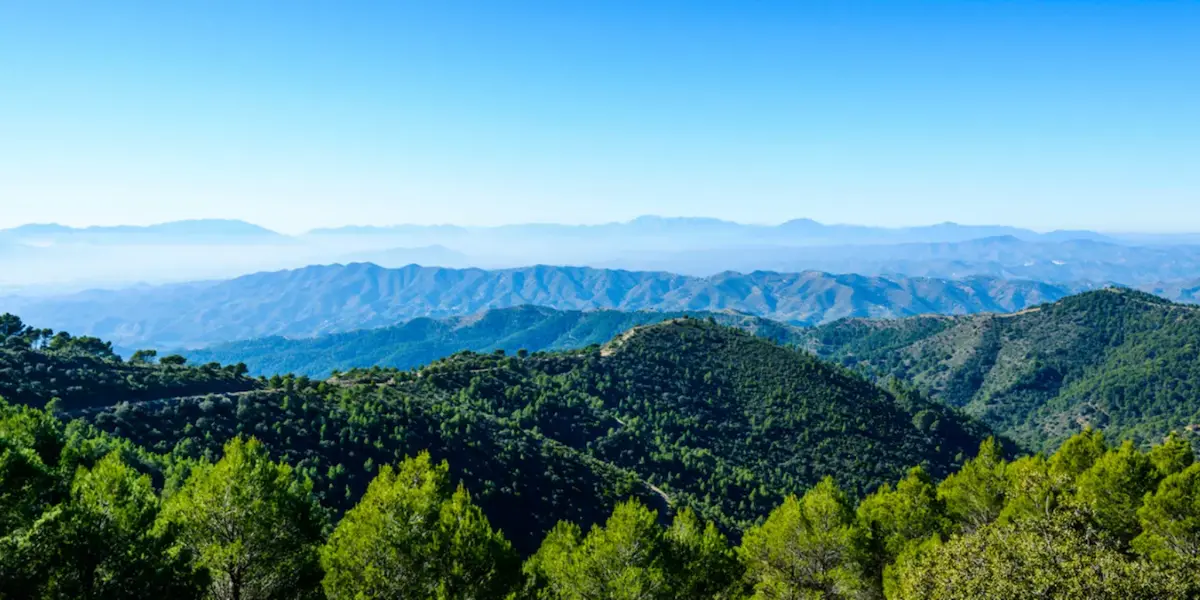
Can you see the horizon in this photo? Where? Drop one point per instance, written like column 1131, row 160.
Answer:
column 296, row 233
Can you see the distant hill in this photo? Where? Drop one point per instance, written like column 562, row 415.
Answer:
column 41, row 255
column 1007, row 256
column 435, row 255
column 424, row 340
column 793, row 232
column 175, row 232
column 1115, row 359
column 337, row 298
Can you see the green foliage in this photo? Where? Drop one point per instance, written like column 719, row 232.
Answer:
column 1078, row 454
column 174, row 360
column 896, row 520
column 691, row 419
column 626, row 559
column 685, row 412
column 411, row 536
column 101, row 543
column 700, row 562
column 1118, row 360
column 807, row 548
column 83, row 373
column 974, row 496
column 1173, row 455
column 1113, row 489
column 1170, row 521
column 252, row 523
column 1046, row 558
column 633, row 558
column 76, row 520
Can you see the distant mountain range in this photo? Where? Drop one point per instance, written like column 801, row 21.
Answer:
column 57, row 256
column 329, row 299
column 423, row 340
column 797, row 232
column 1004, row 256
column 794, row 232
column 183, row 232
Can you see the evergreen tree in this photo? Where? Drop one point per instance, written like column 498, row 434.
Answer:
column 700, row 562
column 1113, row 489
column 896, row 519
column 1059, row 558
column 1078, row 453
column 252, row 523
column 807, row 548
column 1173, row 455
column 974, row 496
column 412, row 537
column 623, row 560
column 1170, row 521
column 102, row 542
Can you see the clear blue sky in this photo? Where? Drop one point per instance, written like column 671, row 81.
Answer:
column 296, row 114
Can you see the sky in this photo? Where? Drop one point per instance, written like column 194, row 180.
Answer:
column 299, row 114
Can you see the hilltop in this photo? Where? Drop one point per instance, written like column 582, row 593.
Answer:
column 422, row 340
column 1115, row 359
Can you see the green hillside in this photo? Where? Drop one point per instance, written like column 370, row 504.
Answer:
column 87, row 515
column 687, row 411
column 38, row 365
column 1115, row 359
column 681, row 460
column 420, row 341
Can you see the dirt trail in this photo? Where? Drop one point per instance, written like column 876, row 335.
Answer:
column 79, row 412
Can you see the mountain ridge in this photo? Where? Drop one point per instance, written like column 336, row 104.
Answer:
column 335, row 298
column 1116, row 359
column 422, row 340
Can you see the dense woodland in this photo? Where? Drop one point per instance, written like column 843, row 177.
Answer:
column 684, row 459
column 82, row 516
column 37, row 365
column 685, row 412
column 1115, row 359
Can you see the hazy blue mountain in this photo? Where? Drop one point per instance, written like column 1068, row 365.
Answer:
column 423, row 340
column 435, row 255
column 794, row 232
column 797, row 232
column 181, row 232
column 1003, row 256
column 59, row 256
column 335, row 298
column 1179, row 291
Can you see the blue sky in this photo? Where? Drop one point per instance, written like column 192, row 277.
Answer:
column 300, row 114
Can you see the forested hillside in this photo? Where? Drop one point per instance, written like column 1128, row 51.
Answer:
column 38, row 365
column 339, row 298
column 420, row 341
column 713, row 418
column 687, row 411
column 81, row 516
column 1115, row 359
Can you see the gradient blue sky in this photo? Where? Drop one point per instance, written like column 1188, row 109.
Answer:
column 300, row 114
